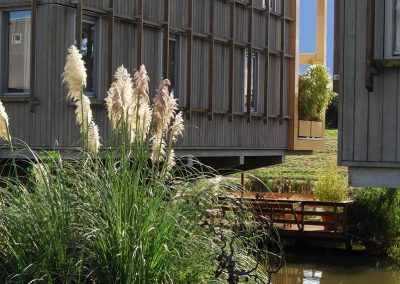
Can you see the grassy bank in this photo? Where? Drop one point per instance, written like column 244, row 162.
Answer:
column 304, row 168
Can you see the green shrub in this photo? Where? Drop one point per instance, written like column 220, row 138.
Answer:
column 315, row 93
column 330, row 185
column 332, row 113
column 376, row 216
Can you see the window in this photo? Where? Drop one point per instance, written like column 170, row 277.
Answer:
column 174, row 63
column 397, row 25
column 272, row 5
column 392, row 29
column 88, row 53
column 16, row 52
column 16, row 39
column 254, row 82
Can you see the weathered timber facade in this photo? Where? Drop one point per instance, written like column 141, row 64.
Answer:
column 367, row 33
column 211, row 39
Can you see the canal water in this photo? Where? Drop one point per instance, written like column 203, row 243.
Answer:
column 335, row 267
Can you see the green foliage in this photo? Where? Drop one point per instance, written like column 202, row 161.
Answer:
column 332, row 113
column 376, row 215
column 330, row 186
column 109, row 221
column 315, row 93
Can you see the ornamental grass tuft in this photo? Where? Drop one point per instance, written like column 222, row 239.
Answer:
column 120, row 213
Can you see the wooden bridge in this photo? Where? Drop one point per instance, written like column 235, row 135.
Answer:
column 300, row 215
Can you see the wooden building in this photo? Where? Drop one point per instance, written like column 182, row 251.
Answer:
column 233, row 65
column 367, row 65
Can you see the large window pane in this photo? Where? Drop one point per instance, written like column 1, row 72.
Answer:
column 87, row 49
column 254, row 82
column 172, row 68
column 19, row 51
column 397, row 21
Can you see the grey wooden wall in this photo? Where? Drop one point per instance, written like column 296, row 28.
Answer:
column 53, row 117
column 369, row 121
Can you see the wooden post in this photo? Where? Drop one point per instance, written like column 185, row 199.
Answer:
column 139, row 56
column 337, row 43
column 369, row 78
column 249, row 61
column 267, row 63
column 293, row 75
column 321, row 32
column 282, row 61
column 79, row 19
column 110, row 41
column 166, row 40
column 232, row 61
column 32, row 82
column 189, row 61
column 211, row 63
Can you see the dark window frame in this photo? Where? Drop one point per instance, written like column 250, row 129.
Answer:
column 255, row 81
column 176, row 85
column 391, row 28
column 95, row 20
column 4, row 53
column 273, row 6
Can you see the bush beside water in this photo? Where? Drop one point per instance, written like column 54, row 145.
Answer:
column 376, row 216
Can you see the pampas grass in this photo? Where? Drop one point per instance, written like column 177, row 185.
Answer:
column 75, row 80
column 4, row 128
column 116, row 217
column 74, row 75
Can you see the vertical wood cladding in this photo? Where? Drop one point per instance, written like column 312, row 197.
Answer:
column 211, row 36
column 369, row 121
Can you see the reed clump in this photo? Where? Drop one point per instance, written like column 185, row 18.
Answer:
column 118, row 214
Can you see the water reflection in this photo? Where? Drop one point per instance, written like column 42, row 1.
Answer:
column 335, row 268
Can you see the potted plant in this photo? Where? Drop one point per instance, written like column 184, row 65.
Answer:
column 315, row 95
column 331, row 187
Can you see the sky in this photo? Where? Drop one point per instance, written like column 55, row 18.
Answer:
column 308, row 26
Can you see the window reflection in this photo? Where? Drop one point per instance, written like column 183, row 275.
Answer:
column 254, row 82
column 172, row 68
column 19, row 51
column 87, row 50
column 397, row 41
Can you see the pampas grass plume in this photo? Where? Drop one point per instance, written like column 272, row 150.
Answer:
column 4, row 130
column 41, row 174
column 114, row 106
column 177, row 127
column 142, row 82
column 74, row 75
column 83, row 113
column 93, row 138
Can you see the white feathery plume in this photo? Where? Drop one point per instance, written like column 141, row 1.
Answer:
column 41, row 174
column 142, row 83
column 140, row 122
column 74, row 75
column 93, row 138
column 158, row 147
column 141, row 111
column 145, row 118
column 4, row 130
column 162, row 107
column 170, row 161
column 177, row 128
column 125, row 88
column 83, row 113
column 114, row 106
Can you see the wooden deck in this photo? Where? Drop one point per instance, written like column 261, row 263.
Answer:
column 300, row 215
